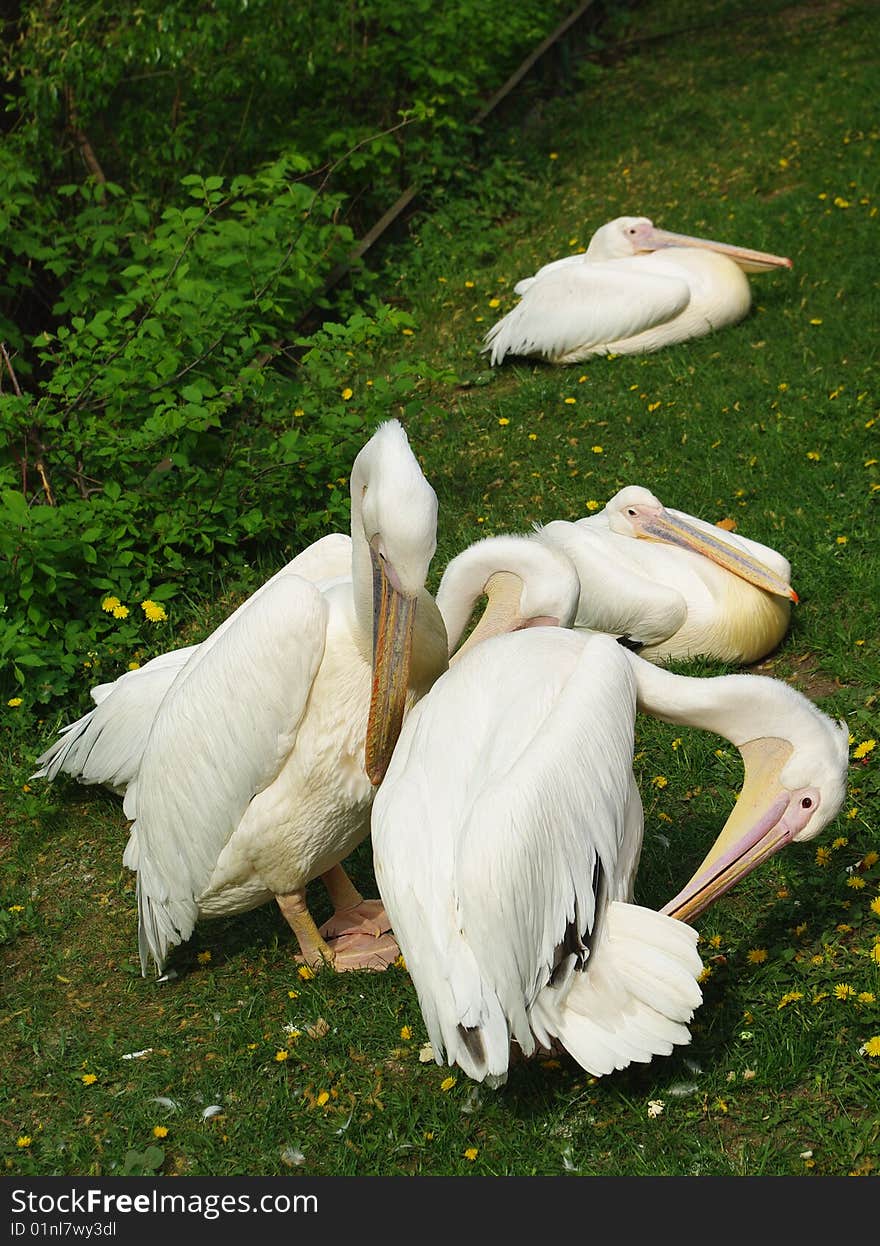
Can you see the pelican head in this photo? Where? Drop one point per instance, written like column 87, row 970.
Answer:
column 637, row 513
column 394, row 519
column 527, row 585
column 635, row 235
column 794, row 784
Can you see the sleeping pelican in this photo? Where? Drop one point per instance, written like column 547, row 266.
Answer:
column 673, row 585
column 264, row 753
column 635, row 289
column 507, row 831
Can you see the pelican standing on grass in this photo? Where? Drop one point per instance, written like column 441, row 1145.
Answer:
column 263, row 758
column 635, row 289
column 507, row 833
column 674, row 585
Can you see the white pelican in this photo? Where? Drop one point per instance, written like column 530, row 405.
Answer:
column 261, row 764
column 507, row 832
column 673, row 584
column 634, row 289
column 106, row 745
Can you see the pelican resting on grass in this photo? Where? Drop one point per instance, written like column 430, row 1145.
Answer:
column 635, row 289
column 264, row 753
column 507, row 831
column 674, row 585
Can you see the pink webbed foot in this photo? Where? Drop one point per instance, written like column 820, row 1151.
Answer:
column 358, row 951
column 366, row 918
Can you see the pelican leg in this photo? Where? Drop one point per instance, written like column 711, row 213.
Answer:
column 314, row 951
column 359, row 932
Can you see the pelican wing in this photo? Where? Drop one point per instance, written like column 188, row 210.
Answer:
column 616, row 597
column 106, row 745
column 221, row 735
column 504, row 807
column 578, row 309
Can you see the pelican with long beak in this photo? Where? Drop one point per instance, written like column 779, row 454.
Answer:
column 635, row 289
column 673, row 585
column 262, row 761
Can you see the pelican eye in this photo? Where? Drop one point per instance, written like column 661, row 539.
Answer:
column 807, row 802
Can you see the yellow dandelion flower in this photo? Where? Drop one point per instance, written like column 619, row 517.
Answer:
column 447, row 1083
column 570, row 401
column 597, row 449
column 14, row 702
column 782, row 386
column 120, row 612
column 823, row 856
column 323, row 1097
column 843, row 991
column 281, row 1056
column 581, row 379
column 15, row 908
column 494, row 302
column 400, row 963
column 405, row 1032
column 782, row 893
column 870, row 858
column 816, row 320
column 817, row 960
column 791, row 998
column 203, row 957
column 875, row 906
column 293, row 994
column 801, row 930
column 840, row 842
column 154, row 612
column 865, row 997
column 863, row 749
column 842, row 540
column 843, row 928
column 840, row 202
column 469, row 285
column 503, row 421
column 875, row 953
column 872, row 1046
column 592, row 505
column 134, row 666
column 23, row 1140
column 715, row 941
column 89, row 1079
column 407, row 332
column 160, row 1131
column 533, row 436
column 305, row 972
column 756, row 955
column 652, row 406
column 706, row 974
column 814, row 455
column 298, row 413
column 471, row 1153
column 660, row 780
column 554, row 155
column 110, row 603
column 855, row 882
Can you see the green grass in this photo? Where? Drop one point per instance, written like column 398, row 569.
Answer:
column 756, row 127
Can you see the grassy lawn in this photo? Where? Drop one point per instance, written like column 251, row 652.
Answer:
column 753, row 125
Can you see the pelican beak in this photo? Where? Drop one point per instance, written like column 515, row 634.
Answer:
column 660, row 525
column 651, row 239
column 393, row 619
column 765, row 818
